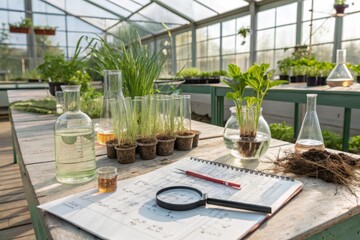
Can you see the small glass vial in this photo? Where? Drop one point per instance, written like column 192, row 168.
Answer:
column 340, row 76
column 107, row 179
column 310, row 136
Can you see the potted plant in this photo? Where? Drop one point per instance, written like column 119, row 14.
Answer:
column 125, row 122
column 324, row 69
column 190, row 75
column 58, row 71
column 22, row 27
column 44, row 30
column 284, row 67
column 204, row 77
column 356, row 70
column 253, row 137
column 311, row 76
column 184, row 134
column 340, row 6
column 244, row 31
column 166, row 125
column 146, row 141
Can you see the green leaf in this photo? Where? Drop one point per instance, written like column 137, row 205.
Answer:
column 250, row 100
column 232, row 95
column 233, row 70
column 276, row 83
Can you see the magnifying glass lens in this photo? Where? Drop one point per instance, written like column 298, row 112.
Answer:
column 179, row 196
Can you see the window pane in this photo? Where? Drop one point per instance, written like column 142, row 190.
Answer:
column 353, row 51
column 286, row 14
column 132, row 6
column 183, row 38
column 241, row 46
column 229, row 27
column 201, row 34
column 285, row 36
column 75, row 24
column 49, row 20
column 266, row 57
column 323, row 52
column 349, row 31
column 214, row 31
column 322, row 9
column 243, row 61
column 265, row 39
column 323, row 31
column 201, row 49
column 228, row 45
column 214, row 47
column 266, row 18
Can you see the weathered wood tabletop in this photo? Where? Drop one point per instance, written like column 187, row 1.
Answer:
column 317, row 211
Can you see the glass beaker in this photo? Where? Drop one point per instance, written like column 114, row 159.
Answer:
column 74, row 141
column 310, row 135
column 340, row 75
column 59, row 95
column 112, row 90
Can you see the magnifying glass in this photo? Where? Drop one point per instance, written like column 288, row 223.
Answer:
column 181, row 198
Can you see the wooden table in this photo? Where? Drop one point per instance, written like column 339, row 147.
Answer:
column 321, row 210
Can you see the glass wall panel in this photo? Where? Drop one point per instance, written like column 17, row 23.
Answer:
column 323, row 52
column 285, row 36
column 286, row 14
column 229, row 27
column 266, row 19
column 352, row 51
column 265, row 39
column 322, row 32
column 349, row 31
column 208, row 47
column 183, row 50
column 323, row 8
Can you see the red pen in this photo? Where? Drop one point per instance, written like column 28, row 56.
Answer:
column 211, row 179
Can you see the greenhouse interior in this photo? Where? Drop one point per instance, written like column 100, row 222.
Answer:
column 99, row 99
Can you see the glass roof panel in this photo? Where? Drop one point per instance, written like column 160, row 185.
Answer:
column 156, row 13
column 80, row 7
column 114, row 8
column 142, row 2
column 190, row 8
column 39, row 6
column 75, row 24
column 224, row 5
column 123, row 26
column 130, row 5
column 99, row 22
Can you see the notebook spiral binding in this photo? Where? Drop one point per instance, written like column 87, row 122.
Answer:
column 245, row 170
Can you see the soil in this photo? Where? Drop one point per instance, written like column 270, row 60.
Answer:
column 147, row 148
column 196, row 138
column 110, row 148
column 337, row 168
column 125, row 153
column 184, row 140
column 165, row 145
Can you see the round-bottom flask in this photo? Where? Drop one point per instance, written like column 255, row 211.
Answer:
column 240, row 146
column 74, row 141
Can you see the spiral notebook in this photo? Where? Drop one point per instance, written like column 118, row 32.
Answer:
column 132, row 213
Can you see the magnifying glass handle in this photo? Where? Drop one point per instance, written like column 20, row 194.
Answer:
column 239, row 205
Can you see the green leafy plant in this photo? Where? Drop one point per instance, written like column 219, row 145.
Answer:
column 147, row 116
column 354, row 144
column 332, row 140
column 356, row 69
column 205, row 74
column 282, row 132
column 284, row 65
column 258, row 78
column 189, row 72
column 25, row 23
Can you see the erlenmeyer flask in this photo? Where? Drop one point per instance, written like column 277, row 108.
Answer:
column 340, row 75
column 112, row 90
column 310, row 135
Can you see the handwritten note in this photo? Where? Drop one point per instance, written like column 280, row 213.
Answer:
column 132, row 213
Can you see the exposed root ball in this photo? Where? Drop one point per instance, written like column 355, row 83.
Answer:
column 337, row 168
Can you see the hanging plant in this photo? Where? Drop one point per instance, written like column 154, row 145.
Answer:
column 22, row 27
column 244, row 31
column 340, row 6
column 44, row 30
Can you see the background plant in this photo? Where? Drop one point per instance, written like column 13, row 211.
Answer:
column 139, row 68
column 190, row 72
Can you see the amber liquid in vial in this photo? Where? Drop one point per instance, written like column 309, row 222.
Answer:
column 102, row 137
column 107, row 184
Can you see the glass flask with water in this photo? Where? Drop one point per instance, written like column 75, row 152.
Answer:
column 112, row 90
column 74, row 141
column 340, row 76
column 310, row 135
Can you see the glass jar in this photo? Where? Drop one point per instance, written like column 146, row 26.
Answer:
column 246, row 147
column 74, row 141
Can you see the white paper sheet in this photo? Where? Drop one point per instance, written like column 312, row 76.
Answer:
column 132, row 213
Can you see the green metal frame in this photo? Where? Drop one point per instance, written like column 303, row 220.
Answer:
column 344, row 99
